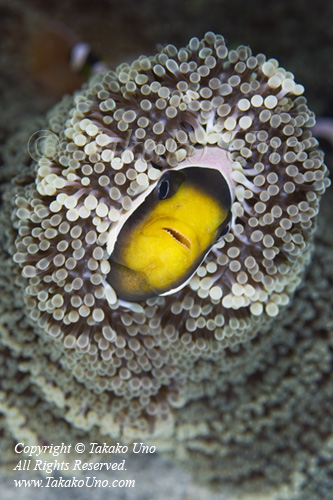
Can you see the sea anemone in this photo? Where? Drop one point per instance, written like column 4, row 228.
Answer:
column 135, row 362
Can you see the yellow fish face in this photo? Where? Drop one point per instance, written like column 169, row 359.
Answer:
column 166, row 238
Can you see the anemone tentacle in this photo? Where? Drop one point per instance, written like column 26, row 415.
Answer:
column 133, row 364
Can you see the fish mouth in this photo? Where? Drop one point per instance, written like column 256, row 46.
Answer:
column 178, row 236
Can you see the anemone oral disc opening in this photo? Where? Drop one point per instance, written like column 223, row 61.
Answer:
column 78, row 358
column 161, row 244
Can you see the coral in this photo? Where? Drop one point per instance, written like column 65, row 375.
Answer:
column 214, row 366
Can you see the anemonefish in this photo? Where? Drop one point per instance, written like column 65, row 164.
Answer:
column 57, row 60
column 164, row 240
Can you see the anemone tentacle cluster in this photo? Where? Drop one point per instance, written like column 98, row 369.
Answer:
column 134, row 364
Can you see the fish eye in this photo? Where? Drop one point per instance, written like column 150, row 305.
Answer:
column 169, row 184
column 163, row 188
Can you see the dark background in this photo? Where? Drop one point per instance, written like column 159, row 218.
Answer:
column 35, row 37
